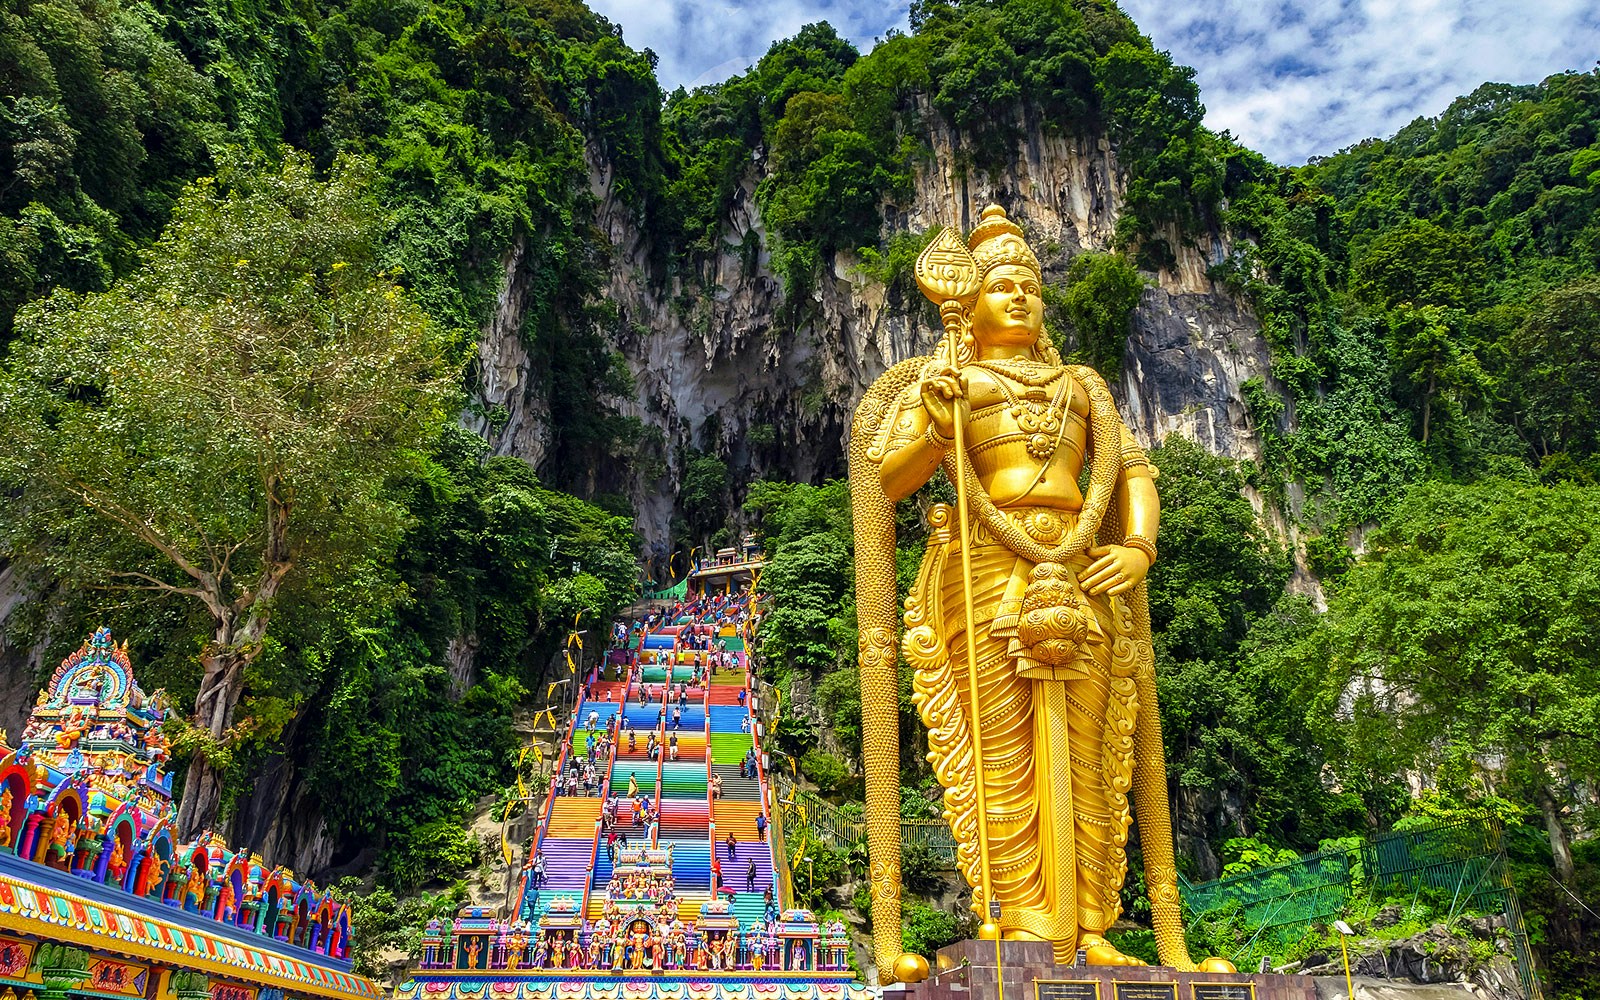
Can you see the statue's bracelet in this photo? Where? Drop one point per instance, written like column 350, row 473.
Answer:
column 1143, row 544
column 936, row 439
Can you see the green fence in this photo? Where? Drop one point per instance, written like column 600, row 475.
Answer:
column 1275, row 908
column 675, row 592
column 1461, row 865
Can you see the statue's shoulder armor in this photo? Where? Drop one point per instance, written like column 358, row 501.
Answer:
column 1090, row 379
column 889, row 392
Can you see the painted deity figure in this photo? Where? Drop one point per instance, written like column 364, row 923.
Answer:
column 154, row 874
column 195, row 888
column 6, row 798
column 117, row 864
column 72, row 730
column 1044, row 717
column 59, row 850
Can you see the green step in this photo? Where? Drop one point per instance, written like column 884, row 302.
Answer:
column 729, row 748
column 681, row 779
column 654, row 675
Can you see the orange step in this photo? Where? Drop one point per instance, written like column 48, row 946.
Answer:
column 574, row 817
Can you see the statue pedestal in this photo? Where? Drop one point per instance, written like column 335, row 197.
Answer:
column 1028, row 971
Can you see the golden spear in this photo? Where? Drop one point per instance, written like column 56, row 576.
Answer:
column 947, row 274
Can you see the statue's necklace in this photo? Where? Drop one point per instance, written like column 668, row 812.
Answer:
column 1041, row 421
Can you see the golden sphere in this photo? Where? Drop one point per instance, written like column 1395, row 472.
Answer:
column 909, row 968
column 1215, row 964
column 989, row 931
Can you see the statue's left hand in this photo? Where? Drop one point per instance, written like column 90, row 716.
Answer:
column 1116, row 570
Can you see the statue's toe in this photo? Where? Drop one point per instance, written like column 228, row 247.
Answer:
column 1102, row 953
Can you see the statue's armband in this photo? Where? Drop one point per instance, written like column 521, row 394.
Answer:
column 1135, row 464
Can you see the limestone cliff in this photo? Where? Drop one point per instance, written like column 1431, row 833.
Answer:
column 713, row 364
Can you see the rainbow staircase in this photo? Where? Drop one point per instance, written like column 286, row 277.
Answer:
column 714, row 732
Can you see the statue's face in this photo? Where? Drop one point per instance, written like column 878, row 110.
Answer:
column 1009, row 311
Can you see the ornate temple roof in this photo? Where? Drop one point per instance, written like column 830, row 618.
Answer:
column 90, row 855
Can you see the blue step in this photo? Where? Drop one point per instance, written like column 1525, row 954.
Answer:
column 727, row 718
column 691, row 865
column 606, row 709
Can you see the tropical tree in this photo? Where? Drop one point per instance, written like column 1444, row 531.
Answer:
column 1466, row 641
column 223, row 421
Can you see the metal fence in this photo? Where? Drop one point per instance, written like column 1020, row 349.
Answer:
column 1459, row 865
column 1274, row 908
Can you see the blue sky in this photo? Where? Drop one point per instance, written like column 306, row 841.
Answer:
column 1291, row 79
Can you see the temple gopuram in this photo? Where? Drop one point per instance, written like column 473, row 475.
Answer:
column 99, row 898
column 653, row 872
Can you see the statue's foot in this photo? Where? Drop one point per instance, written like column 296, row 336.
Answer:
column 1098, row 951
column 1215, row 964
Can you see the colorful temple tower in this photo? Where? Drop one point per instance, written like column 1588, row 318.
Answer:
column 99, row 897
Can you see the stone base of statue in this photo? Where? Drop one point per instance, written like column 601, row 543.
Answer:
column 1027, row 970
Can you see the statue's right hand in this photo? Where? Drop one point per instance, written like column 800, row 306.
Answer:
column 939, row 394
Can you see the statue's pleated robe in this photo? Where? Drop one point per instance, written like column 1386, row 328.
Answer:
column 1056, row 741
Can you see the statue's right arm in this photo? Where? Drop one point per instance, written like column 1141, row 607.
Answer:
column 912, row 450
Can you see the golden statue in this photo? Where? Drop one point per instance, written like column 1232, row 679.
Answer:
column 1029, row 617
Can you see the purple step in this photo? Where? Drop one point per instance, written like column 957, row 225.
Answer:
column 566, row 865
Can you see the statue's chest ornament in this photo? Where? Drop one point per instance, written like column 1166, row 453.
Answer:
column 1038, row 413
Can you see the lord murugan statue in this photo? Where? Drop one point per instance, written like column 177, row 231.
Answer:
column 1028, row 626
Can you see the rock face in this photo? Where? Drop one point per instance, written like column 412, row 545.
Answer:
column 769, row 382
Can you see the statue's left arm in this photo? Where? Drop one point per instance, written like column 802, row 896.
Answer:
column 1120, row 568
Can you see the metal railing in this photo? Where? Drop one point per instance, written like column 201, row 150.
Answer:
column 843, row 829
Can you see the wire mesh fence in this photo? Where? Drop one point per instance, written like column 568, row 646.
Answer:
column 1458, row 867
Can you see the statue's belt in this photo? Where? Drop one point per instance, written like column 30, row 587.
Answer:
column 1045, row 525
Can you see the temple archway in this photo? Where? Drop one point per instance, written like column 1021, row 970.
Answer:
column 13, row 779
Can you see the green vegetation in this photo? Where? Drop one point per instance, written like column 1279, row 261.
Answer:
column 1425, row 297
column 843, row 131
column 448, row 136
column 924, row 930
column 1096, row 311
column 221, row 425
column 1430, row 301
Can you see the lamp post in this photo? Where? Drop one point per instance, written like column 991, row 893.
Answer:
column 1345, row 931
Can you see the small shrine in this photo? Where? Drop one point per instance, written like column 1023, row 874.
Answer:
column 88, row 826
column 639, row 930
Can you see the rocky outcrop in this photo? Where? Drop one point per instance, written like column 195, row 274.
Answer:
column 1401, row 968
column 19, row 667
column 725, row 361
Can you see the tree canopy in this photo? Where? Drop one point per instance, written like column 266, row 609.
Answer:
column 224, row 418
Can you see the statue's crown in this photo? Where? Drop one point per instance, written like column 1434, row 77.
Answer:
column 997, row 240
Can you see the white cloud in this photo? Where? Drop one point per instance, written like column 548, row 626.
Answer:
column 1292, row 78
column 1298, row 79
column 698, row 43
